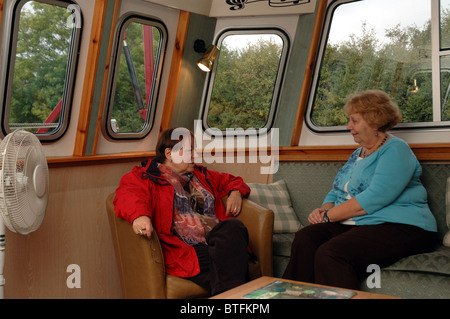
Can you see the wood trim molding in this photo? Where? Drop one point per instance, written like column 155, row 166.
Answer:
column 432, row 152
column 438, row 153
column 98, row 20
column 307, row 78
column 1, row 13
column 98, row 159
column 315, row 153
column 105, row 77
column 175, row 69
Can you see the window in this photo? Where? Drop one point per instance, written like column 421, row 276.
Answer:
column 244, row 85
column 444, row 25
column 42, row 55
column 381, row 49
column 136, row 78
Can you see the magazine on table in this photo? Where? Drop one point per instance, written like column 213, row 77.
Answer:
column 279, row 289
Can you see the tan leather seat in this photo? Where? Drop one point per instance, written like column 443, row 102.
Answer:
column 141, row 264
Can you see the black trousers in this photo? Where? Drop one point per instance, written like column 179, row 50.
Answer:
column 224, row 260
column 338, row 255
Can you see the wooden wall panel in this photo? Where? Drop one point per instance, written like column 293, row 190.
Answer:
column 75, row 230
column 251, row 173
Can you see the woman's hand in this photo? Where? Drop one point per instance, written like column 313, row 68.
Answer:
column 234, row 203
column 143, row 226
column 316, row 216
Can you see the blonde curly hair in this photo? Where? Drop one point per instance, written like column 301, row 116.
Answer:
column 376, row 108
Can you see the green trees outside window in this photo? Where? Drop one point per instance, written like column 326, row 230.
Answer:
column 393, row 55
column 247, row 80
column 42, row 67
column 136, row 78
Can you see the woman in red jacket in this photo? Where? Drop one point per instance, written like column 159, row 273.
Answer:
column 182, row 202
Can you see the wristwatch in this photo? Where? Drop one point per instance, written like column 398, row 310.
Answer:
column 325, row 217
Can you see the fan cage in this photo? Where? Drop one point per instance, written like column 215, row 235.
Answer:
column 24, row 182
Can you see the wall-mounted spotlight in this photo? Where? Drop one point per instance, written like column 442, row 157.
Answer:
column 209, row 55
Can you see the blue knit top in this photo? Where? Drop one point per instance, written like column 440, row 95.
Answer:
column 387, row 186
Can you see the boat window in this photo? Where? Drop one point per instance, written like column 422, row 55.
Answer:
column 445, row 57
column 402, row 55
column 243, row 88
column 41, row 63
column 136, row 77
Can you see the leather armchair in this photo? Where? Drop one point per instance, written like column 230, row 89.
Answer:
column 141, row 264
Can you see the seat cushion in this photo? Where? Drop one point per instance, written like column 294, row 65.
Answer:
column 436, row 262
column 411, row 285
column 282, row 244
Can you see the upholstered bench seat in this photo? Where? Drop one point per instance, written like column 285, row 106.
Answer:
column 299, row 187
column 436, row 262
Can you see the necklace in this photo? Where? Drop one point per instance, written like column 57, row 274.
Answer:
column 364, row 154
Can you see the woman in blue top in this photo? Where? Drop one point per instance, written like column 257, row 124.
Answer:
column 377, row 210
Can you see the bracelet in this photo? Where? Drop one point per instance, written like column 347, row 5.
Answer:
column 325, row 218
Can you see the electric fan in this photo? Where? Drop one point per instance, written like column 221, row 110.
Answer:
column 24, row 187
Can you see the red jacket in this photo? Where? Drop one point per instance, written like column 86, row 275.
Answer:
column 144, row 191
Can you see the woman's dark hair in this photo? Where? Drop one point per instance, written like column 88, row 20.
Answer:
column 169, row 139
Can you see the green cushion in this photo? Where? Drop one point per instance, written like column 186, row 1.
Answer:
column 282, row 244
column 411, row 285
column 436, row 262
column 276, row 197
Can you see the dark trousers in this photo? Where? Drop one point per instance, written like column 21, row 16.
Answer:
column 338, row 255
column 224, row 260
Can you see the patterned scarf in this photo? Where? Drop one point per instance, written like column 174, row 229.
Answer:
column 189, row 224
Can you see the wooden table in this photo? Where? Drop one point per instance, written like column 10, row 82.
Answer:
column 238, row 292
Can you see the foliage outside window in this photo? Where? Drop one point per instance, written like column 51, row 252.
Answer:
column 42, row 63
column 444, row 25
column 136, row 78
column 246, row 81
column 395, row 54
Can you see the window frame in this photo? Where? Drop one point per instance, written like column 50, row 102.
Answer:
column 112, row 82
column 12, row 20
column 435, row 74
column 281, row 74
